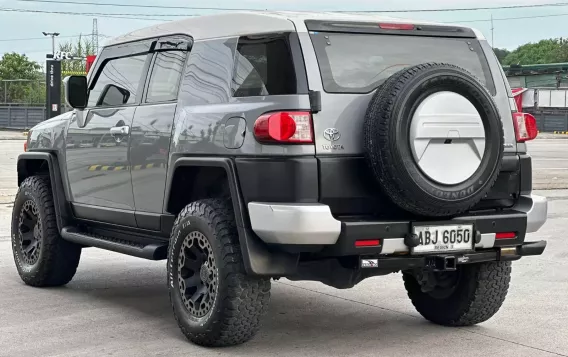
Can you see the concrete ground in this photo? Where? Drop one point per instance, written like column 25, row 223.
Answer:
column 119, row 306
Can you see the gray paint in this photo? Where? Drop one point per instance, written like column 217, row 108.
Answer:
column 91, row 149
column 502, row 97
column 206, row 103
column 203, row 120
column 235, row 132
column 149, row 148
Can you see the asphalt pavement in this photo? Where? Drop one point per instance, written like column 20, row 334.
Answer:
column 118, row 305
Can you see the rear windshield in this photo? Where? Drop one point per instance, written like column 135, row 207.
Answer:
column 359, row 63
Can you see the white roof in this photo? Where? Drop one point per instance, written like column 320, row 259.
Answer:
column 246, row 23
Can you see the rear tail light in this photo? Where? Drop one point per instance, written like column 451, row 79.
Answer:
column 284, row 127
column 525, row 127
column 385, row 26
column 506, row 235
column 26, row 145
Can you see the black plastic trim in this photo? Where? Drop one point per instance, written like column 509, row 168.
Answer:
column 347, row 186
column 104, row 214
column 278, row 180
column 351, row 231
column 526, row 174
column 373, row 28
column 258, row 258
column 147, row 220
column 299, row 64
column 532, row 248
column 62, row 207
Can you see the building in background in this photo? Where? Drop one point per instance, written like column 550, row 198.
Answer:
column 543, row 91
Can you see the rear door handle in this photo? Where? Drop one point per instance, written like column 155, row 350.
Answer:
column 120, row 130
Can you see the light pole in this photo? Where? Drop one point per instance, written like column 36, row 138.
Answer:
column 53, row 36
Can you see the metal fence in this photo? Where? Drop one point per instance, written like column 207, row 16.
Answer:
column 22, row 91
column 21, row 116
column 550, row 121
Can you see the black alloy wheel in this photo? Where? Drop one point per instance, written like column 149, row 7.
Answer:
column 30, row 232
column 198, row 276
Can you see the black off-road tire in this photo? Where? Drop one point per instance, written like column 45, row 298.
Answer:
column 241, row 300
column 57, row 259
column 478, row 295
column 387, row 140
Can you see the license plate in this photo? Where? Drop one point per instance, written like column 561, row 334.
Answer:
column 442, row 239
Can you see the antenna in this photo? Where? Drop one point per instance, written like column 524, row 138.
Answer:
column 95, row 35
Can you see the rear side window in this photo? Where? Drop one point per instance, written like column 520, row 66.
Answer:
column 359, row 63
column 166, row 75
column 118, row 83
column 263, row 67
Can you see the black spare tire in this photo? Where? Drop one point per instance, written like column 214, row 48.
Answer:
column 434, row 139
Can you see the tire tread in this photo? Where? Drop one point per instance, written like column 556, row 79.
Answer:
column 479, row 299
column 247, row 297
column 59, row 258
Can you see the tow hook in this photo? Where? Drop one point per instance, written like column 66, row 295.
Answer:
column 442, row 263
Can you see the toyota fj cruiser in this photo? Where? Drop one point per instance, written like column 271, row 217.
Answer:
column 247, row 147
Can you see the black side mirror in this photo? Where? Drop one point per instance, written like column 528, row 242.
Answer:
column 76, row 91
column 113, row 95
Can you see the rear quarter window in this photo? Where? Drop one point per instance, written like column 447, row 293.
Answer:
column 263, row 66
column 359, row 63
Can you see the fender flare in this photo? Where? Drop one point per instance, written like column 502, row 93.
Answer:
column 60, row 202
column 258, row 259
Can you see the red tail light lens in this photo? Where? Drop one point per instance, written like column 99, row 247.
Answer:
column 367, row 243
column 284, row 127
column 525, row 127
column 26, row 145
column 396, row 26
column 506, row 235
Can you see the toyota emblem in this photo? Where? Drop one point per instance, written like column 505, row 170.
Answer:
column 331, row 134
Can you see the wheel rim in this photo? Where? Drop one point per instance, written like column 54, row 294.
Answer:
column 197, row 274
column 30, row 232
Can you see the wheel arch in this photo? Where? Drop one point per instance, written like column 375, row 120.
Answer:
column 46, row 164
column 194, row 178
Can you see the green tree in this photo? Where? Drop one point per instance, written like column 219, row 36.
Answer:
column 82, row 48
column 501, row 53
column 553, row 50
column 20, row 79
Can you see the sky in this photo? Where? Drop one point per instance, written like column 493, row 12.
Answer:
column 17, row 26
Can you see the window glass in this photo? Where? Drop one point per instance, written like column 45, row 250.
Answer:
column 359, row 63
column 208, row 74
column 118, row 82
column 166, row 73
column 263, row 67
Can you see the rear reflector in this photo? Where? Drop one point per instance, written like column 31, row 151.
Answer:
column 367, row 243
column 506, row 235
column 396, row 26
column 284, row 127
column 525, row 127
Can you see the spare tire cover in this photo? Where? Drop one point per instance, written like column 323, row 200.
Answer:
column 434, row 139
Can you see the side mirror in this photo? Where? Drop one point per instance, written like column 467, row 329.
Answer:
column 113, row 95
column 76, row 91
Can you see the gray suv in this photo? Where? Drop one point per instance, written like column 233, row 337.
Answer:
column 247, row 147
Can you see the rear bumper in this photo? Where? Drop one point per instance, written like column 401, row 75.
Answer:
column 314, row 224
column 404, row 263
